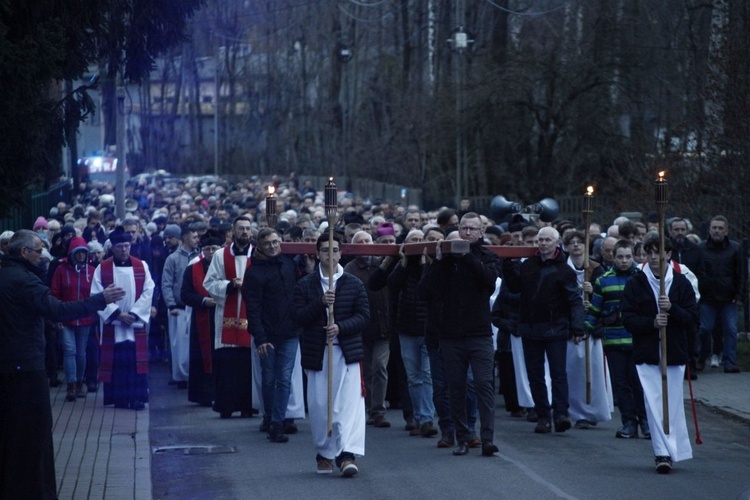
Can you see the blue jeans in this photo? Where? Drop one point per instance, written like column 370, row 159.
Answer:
column 74, row 348
column 417, row 365
column 277, row 368
column 728, row 313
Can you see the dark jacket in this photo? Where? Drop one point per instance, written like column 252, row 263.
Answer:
column 551, row 306
column 687, row 253
column 25, row 302
column 379, row 326
column 268, row 292
column 351, row 313
column 458, row 288
column 505, row 316
column 411, row 317
column 639, row 309
column 720, row 271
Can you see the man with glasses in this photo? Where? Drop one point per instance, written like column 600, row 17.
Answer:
column 268, row 291
column 27, row 462
column 376, row 336
column 313, row 295
column 551, row 311
column 458, row 288
column 124, row 349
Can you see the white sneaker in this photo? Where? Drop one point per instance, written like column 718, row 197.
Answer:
column 715, row 361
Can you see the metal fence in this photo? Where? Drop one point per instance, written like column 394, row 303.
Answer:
column 36, row 203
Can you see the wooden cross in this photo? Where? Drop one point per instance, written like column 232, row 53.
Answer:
column 378, row 249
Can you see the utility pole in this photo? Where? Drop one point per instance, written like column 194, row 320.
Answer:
column 120, row 169
column 460, row 43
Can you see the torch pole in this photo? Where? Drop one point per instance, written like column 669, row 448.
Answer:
column 331, row 204
column 587, row 211
column 661, row 205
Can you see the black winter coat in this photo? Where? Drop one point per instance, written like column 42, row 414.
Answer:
column 720, row 272
column 551, row 306
column 411, row 317
column 25, row 302
column 638, row 308
column 351, row 314
column 458, row 289
column 268, row 293
column 379, row 326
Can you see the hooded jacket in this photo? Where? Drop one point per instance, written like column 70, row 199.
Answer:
column 72, row 281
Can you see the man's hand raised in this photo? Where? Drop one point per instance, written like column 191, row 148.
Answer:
column 113, row 294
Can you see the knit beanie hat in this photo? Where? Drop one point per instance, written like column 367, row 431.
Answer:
column 40, row 222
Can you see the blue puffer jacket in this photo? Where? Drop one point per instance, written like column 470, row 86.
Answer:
column 604, row 311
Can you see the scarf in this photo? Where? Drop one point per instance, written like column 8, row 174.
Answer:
column 653, row 281
column 202, row 315
column 234, row 324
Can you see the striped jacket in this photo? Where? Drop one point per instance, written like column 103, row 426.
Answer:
column 604, row 311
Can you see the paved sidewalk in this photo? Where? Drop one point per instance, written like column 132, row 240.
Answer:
column 100, row 452
column 727, row 393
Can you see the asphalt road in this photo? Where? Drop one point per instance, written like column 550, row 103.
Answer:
column 578, row 464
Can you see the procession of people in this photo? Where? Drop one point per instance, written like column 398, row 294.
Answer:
column 195, row 275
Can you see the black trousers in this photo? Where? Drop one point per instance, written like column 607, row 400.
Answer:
column 556, row 351
column 458, row 355
column 27, row 461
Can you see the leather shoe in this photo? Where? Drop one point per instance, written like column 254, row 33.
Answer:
column 562, row 423
column 461, row 449
column 489, row 448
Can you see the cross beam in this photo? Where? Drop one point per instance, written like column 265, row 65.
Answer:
column 381, row 250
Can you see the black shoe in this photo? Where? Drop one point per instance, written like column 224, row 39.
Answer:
column 410, row 424
column 137, row 405
column 290, row 427
column 532, row 416
column 92, row 387
column 663, row 465
column 562, row 423
column 225, row 414
column 461, row 450
column 489, row 448
column 276, row 435
column 246, row 414
column 265, row 425
column 543, row 426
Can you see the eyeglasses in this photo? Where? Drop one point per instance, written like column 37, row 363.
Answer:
column 325, row 250
column 469, row 229
column 37, row 250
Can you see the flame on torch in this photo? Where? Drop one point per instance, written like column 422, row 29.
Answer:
column 661, row 175
column 590, row 190
column 271, row 190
